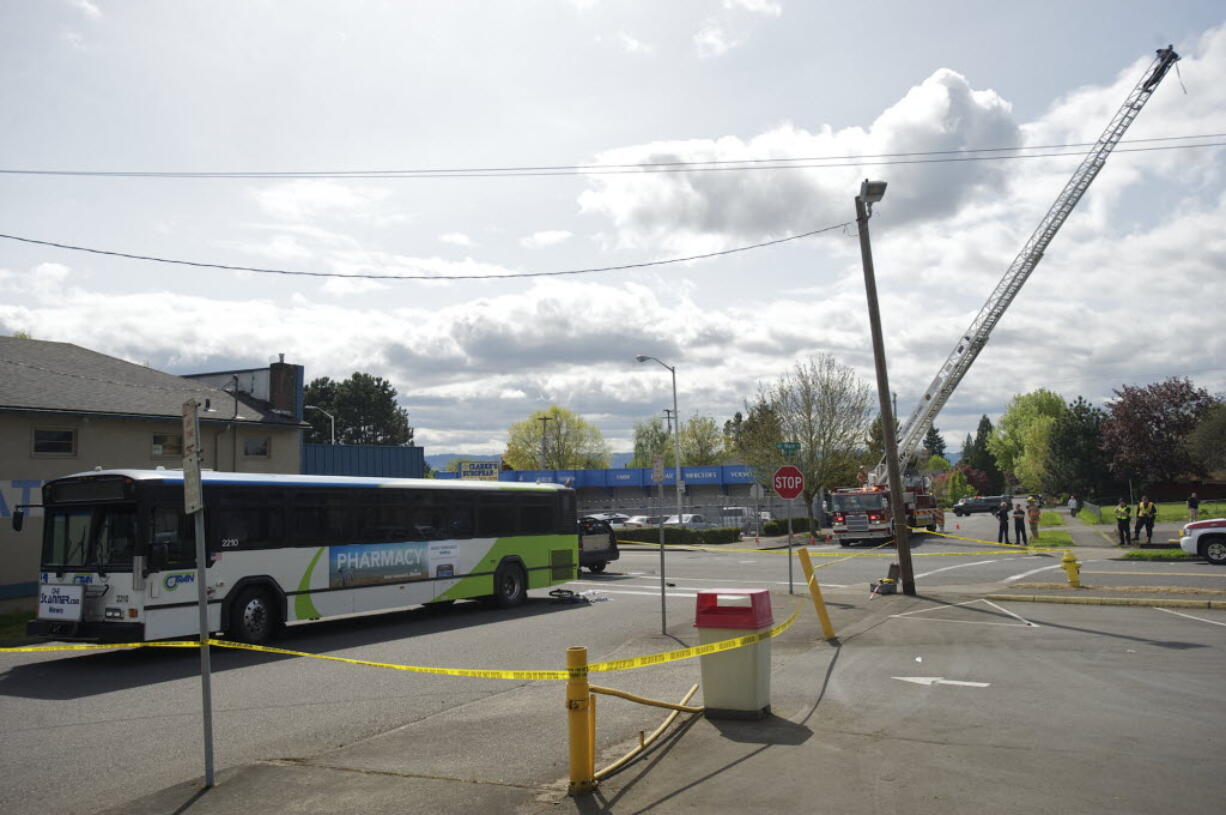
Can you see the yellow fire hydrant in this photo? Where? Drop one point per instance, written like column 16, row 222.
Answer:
column 1073, row 568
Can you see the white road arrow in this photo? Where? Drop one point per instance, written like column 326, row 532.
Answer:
column 940, row 680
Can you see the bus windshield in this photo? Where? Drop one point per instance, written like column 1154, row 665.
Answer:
column 99, row 537
column 858, row 501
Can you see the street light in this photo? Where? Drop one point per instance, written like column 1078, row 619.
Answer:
column 870, row 193
column 331, row 419
column 677, row 436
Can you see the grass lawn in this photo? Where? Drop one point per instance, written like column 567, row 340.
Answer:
column 1170, row 511
column 1159, row 554
column 1050, row 519
column 1052, row 537
column 1087, row 517
column 1178, row 511
column 13, row 625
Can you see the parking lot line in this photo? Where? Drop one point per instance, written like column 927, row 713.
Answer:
column 1011, row 578
column 1190, row 616
column 955, row 566
column 1163, row 574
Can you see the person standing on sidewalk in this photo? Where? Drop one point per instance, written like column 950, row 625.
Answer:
column 1123, row 514
column 1019, row 525
column 1146, row 513
column 1193, row 507
column 1073, row 505
column 1032, row 515
column 1002, row 515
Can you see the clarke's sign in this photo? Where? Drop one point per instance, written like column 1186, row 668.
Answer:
column 479, row 470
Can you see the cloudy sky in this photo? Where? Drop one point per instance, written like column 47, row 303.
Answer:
column 1129, row 292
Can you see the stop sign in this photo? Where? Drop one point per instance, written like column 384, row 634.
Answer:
column 789, row 482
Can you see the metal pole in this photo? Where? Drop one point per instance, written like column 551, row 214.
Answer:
column 897, row 507
column 202, row 601
column 663, row 604
column 677, row 443
column 790, row 505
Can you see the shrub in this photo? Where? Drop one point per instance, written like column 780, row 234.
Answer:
column 677, row 536
column 775, row 528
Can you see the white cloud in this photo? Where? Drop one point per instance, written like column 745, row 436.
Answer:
column 713, row 41
column 304, row 199
column 767, row 7
column 87, row 8
column 551, row 237
column 456, row 239
column 709, row 210
column 632, row 45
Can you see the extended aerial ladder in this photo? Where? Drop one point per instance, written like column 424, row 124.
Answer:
column 976, row 337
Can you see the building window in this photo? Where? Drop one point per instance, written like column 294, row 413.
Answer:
column 55, row 442
column 257, row 447
column 166, row 445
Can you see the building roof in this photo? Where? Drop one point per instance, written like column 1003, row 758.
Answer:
column 59, row 377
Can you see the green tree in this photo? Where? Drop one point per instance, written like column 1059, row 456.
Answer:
column 702, row 443
column 937, row 463
column 566, row 441
column 1020, row 442
column 1077, row 463
column 1207, row 442
column 364, row 408
column 958, row 487
column 826, row 408
column 752, row 438
column 976, row 455
column 651, row 439
column 934, row 443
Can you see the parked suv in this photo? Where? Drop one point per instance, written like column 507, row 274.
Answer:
column 597, row 544
column 979, row 503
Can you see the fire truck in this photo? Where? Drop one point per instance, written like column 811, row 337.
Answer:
column 862, row 514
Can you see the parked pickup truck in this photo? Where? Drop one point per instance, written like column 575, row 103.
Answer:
column 1207, row 539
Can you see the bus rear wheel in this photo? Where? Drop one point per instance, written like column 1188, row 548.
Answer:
column 254, row 618
column 510, row 585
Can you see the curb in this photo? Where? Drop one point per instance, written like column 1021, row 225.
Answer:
column 1149, row 602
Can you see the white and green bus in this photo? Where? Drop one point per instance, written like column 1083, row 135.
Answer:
column 118, row 557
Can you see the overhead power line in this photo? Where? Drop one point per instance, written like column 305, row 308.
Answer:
column 713, row 165
column 509, row 275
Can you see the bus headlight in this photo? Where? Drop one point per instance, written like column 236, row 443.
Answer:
column 114, row 613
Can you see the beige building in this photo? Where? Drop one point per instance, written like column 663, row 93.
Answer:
column 65, row 409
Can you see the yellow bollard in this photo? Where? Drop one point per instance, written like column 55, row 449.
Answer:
column 814, row 589
column 580, row 727
column 1073, row 569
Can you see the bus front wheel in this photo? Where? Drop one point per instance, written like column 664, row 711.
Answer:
column 510, row 585
column 254, row 618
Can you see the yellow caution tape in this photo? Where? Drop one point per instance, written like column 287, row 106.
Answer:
column 94, row 646
column 610, row 665
column 695, row 651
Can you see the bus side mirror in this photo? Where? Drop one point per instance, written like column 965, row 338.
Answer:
column 19, row 519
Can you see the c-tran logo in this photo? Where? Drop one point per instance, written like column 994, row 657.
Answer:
column 172, row 581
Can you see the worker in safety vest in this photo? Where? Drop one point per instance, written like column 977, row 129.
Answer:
column 1123, row 514
column 1032, row 515
column 1147, row 511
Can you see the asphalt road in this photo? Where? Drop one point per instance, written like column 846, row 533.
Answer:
column 86, row 732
